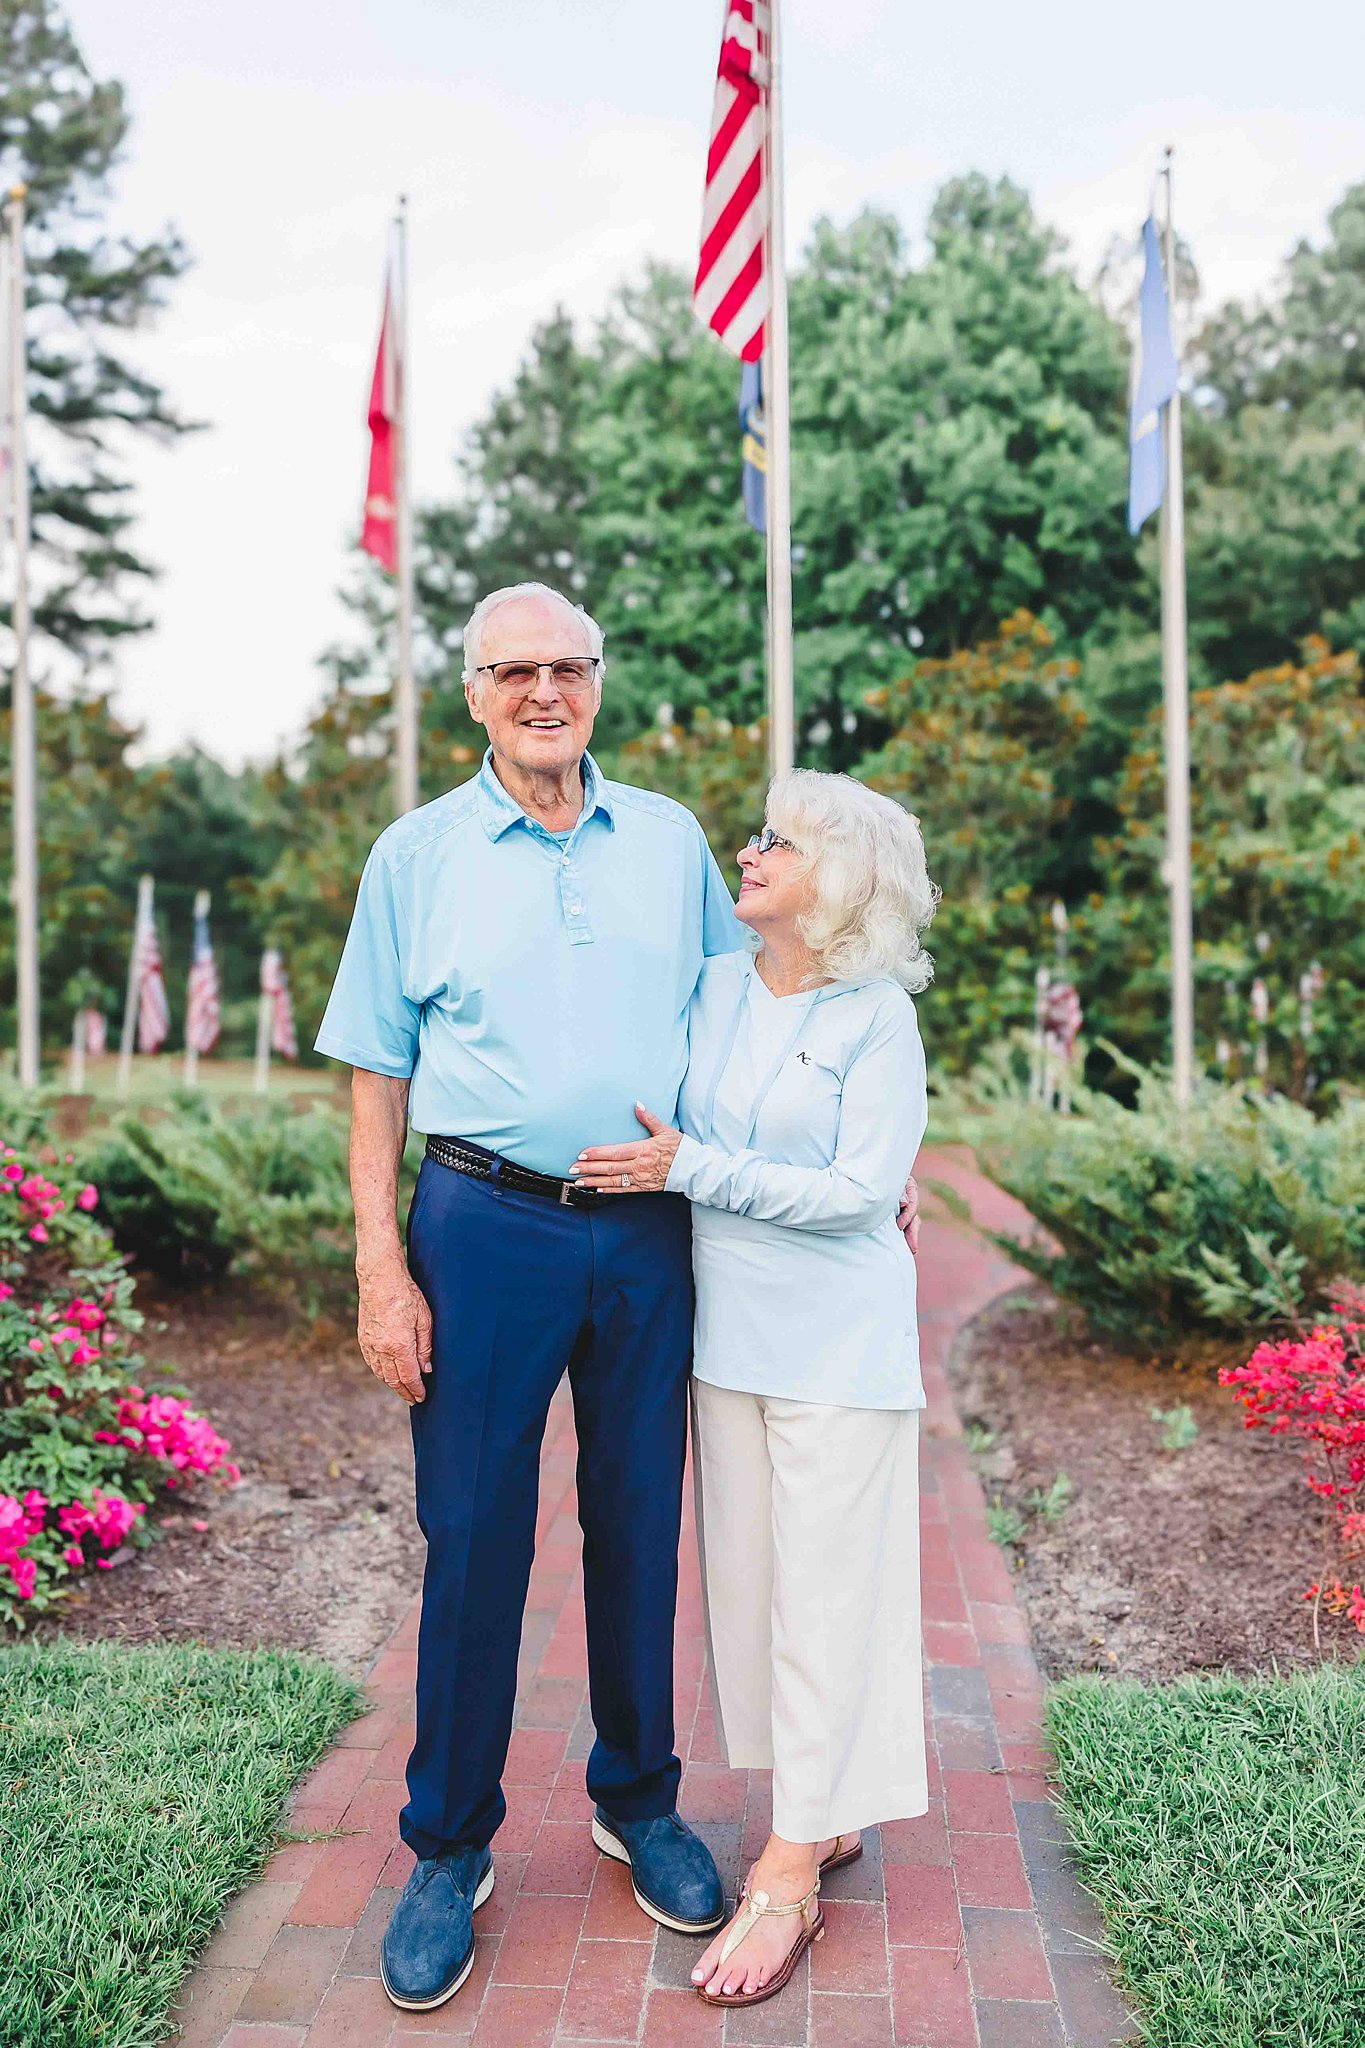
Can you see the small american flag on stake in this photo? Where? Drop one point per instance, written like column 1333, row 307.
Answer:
column 202, row 1013
column 731, row 294
column 153, row 1011
column 275, row 984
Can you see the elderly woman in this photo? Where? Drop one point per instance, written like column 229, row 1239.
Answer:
column 802, row 1112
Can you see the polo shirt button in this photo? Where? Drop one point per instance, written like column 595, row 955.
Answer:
column 575, row 909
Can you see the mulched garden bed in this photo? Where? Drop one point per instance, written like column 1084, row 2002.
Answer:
column 318, row 1548
column 1161, row 1562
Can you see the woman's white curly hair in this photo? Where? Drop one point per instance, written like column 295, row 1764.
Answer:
column 872, row 893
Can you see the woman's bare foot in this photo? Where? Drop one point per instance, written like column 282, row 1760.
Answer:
column 786, row 1871
column 823, row 1850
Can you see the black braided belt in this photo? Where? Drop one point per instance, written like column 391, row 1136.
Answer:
column 463, row 1157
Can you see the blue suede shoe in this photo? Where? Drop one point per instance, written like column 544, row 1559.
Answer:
column 428, row 1947
column 672, row 1871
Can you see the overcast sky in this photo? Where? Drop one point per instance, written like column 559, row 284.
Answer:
column 548, row 146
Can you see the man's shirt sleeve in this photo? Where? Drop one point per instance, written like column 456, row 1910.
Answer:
column 721, row 930
column 369, row 1021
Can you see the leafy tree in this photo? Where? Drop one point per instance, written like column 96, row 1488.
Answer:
column 86, row 869
column 105, row 821
column 1278, row 841
column 718, row 769
column 958, row 443
column 61, row 132
column 1276, row 526
column 1306, row 351
column 978, row 743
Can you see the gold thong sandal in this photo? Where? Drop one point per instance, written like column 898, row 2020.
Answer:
column 753, row 1907
column 839, row 1855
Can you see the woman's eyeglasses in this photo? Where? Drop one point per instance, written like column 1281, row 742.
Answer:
column 515, row 677
column 767, row 839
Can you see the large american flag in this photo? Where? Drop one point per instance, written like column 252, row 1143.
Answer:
column 731, row 292
column 202, row 1013
column 153, row 1011
column 275, row 984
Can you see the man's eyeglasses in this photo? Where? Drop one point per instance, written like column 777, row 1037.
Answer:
column 767, row 839
column 571, row 676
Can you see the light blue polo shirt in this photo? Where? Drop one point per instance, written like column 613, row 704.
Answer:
column 534, row 990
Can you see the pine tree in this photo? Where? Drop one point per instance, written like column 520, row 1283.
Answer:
column 61, row 134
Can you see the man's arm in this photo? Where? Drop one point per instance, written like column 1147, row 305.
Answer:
column 395, row 1322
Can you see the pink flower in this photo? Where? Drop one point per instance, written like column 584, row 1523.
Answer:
column 87, row 1197
column 86, row 1354
column 14, row 1172
column 37, row 1343
column 5, row 1290
column 38, row 1234
column 73, row 1554
column 200, row 1526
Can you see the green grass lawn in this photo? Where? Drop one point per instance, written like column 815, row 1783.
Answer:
column 1221, row 1824
column 156, row 1076
column 139, row 1789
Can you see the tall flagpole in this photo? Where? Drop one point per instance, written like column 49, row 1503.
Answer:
column 777, row 411
column 24, row 770
column 405, row 690
column 1176, row 699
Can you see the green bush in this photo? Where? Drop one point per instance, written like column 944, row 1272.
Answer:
column 202, row 1191
column 1243, row 1207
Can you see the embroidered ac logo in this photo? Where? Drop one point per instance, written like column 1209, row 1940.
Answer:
column 804, row 1058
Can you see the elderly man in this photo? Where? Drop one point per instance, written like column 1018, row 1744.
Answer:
column 516, row 978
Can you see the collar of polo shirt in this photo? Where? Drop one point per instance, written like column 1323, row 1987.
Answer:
column 499, row 811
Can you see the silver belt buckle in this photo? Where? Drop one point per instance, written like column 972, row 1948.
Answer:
column 565, row 1195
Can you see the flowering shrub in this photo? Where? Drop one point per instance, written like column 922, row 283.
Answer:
column 84, row 1449
column 1313, row 1388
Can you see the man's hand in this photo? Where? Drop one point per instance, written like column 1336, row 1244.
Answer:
column 907, row 1219
column 395, row 1328
column 639, row 1169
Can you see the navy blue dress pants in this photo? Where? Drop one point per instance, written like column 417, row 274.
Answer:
column 523, row 1290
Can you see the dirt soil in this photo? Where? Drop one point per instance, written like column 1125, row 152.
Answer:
column 318, row 1548
column 1162, row 1561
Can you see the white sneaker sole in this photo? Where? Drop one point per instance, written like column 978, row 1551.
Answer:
column 481, row 1898
column 618, row 1852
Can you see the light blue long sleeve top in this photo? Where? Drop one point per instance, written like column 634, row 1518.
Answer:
column 534, row 985
column 801, row 1117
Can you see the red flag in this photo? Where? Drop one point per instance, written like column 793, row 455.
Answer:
column 379, row 536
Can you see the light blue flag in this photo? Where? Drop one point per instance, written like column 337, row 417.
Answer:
column 1156, row 379
column 755, row 474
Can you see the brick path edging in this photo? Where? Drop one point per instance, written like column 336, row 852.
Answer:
column 965, row 1929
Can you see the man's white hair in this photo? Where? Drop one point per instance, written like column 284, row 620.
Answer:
column 486, row 606
column 872, row 895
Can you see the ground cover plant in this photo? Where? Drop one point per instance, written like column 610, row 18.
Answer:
column 139, row 1789
column 1242, row 1210
column 84, row 1445
column 1218, row 1824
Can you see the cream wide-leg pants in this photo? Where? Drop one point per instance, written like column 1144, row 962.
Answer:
column 808, row 1527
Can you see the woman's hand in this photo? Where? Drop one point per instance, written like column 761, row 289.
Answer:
column 638, row 1169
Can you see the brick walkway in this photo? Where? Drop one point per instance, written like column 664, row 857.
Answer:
column 964, row 1929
